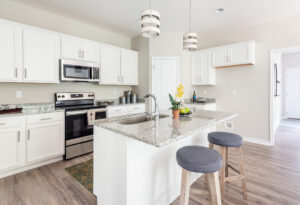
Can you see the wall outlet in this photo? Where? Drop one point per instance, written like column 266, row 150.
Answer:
column 228, row 125
column 19, row 94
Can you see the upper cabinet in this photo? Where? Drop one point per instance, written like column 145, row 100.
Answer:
column 238, row 54
column 129, row 67
column 110, row 64
column 118, row 66
column 202, row 73
column 41, row 56
column 10, row 52
column 79, row 49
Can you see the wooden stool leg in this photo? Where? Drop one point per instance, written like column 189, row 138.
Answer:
column 211, row 145
column 214, row 188
column 222, row 170
column 185, row 187
column 242, row 171
column 226, row 163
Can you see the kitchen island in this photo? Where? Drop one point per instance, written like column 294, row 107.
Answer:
column 135, row 157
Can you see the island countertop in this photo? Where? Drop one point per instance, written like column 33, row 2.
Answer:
column 166, row 130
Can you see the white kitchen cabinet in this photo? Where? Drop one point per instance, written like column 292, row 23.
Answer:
column 129, row 67
column 79, row 49
column 242, row 53
column 114, row 111
column 10, row 156
column 202, row 73
column 234, row 55
column 30, row 141
column 41, row 56
column 44, row 141
column 204, row 106
column 10, row 52
column 220, row 56
column 110, row 58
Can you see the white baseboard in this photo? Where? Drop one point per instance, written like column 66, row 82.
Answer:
column 257, row 141
column 28, row 167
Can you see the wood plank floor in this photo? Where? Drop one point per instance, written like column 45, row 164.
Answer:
column 273, row 177
column 272, row 173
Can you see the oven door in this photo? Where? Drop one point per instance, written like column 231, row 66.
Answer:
column 77, row 125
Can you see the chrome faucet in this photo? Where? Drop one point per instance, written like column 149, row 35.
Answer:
column 156, row 111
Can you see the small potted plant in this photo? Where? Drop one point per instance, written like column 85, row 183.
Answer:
column 176, row 103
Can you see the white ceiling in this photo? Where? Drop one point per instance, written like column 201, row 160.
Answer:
column 122, row 15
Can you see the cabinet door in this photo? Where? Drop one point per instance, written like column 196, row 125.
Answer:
column 110, row 65
column 241, row 53
column 220, row 56
column 196, row 68
column 10, row 52
column 45, row 141
column 205, row 58
column 90, row 50
column 129, row 67
column 41, row 56
column 10, row 148
column 70, row 48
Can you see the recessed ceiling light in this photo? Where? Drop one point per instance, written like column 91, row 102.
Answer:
column 219, row 10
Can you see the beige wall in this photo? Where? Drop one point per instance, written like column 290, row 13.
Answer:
column 13, row 11
column 252, row 83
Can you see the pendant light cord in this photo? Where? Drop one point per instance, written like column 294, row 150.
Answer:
column 190, row 17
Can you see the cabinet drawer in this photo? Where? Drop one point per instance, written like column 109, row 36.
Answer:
column 43, row 118
column 136, row 109
column 10, row 122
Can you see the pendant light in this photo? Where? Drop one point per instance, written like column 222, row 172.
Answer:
column 190, row 39
column 150, row 22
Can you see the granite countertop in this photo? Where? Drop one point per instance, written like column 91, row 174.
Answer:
column 33, row 108
column 166, row 130
column 208, row 101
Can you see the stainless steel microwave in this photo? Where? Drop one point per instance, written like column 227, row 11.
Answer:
column 73, row 70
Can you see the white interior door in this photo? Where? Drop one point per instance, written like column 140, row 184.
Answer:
column 164, row 79
column 293, row 93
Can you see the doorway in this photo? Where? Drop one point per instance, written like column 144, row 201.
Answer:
column 165, row 78
column 284, row 89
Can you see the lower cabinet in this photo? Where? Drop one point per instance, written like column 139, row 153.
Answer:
column 10, row 148
column 115, row 111
column 29, row 141
column 44, row 141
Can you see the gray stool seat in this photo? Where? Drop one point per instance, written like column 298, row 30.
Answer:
column 225, row 139
column 199, row 159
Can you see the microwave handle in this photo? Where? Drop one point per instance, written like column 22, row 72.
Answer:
column 70, row 113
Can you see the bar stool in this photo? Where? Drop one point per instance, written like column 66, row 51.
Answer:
column 200, row 160
column 229, row 140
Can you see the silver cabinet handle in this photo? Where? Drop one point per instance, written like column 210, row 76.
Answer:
column 28, row 137
column 18, row 136
column 25, row 72
column 49, row 118
column 16, row 72
column 118, row 78
column 2, row 124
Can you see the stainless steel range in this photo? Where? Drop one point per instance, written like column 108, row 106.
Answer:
column 80, row 112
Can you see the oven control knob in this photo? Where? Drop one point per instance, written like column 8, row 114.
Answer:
column 58, row 96
column 63, row 96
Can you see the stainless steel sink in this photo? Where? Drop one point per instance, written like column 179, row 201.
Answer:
column 141, row 119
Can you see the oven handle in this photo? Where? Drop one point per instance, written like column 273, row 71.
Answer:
column 70, row 113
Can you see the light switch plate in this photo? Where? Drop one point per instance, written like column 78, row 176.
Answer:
column 19, row 94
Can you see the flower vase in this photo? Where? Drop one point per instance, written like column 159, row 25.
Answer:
column 176, row 114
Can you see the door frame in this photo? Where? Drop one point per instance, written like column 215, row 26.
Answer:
column 271, row 90
column 154, row 58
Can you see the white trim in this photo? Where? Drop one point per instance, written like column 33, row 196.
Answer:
column 28, row 167
column 271, row 120
column 258, row 141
